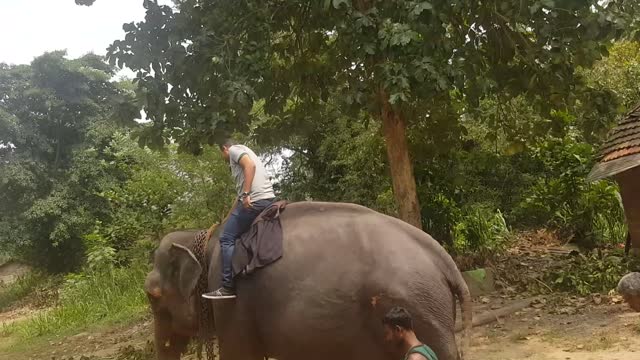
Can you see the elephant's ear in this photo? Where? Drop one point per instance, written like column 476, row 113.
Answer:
column 188, row 269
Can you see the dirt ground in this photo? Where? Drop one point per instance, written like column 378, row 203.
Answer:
column 589, row 332
column 602, row 332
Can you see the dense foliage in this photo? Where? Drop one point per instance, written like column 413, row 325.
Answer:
column 71, row 176
column 49, row 112
column 501, row 109
column 417, row 66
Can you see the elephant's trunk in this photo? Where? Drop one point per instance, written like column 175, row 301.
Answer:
column 168, row 344
column 152, row 284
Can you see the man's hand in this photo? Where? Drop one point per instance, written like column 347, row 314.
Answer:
column 246, row 202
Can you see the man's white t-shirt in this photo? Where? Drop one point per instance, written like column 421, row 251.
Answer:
column 261, row 188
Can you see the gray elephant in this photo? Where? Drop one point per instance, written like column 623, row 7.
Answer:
column 343, row 267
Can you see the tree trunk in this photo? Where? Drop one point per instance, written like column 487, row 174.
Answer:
column 404, row 182
column 495, row 315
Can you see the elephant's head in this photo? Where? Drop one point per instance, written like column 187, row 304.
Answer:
column 170, row 287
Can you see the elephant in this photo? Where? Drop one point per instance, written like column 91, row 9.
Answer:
column 343, row 266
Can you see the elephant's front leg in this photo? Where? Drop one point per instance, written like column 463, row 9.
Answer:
column 168, row 345
column 238, row 350
column 236, row 333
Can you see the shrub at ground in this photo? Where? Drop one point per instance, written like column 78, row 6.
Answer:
column 594, row 272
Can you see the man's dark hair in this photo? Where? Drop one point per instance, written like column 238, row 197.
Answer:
column 226, row 143
column 398, row 316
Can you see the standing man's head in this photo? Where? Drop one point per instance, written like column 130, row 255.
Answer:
column 224, row 148
column 398, row 327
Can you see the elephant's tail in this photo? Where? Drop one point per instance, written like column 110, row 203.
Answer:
column 461, row 290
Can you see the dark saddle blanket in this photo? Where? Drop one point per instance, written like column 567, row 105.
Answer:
column 261, row 245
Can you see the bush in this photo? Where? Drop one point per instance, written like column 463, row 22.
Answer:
column 609, row 228
column 439, row 216
column 480, row 236
column 592, row 217
column 589, row 213
column 596, row 272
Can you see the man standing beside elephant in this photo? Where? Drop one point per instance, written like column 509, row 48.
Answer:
column 398, row 332
column 255, row 193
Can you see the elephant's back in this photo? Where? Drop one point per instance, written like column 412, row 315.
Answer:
column 359, row 234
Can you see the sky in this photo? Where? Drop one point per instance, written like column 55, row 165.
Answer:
column 28, row 28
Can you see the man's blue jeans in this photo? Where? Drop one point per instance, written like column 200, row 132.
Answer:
column 238, row 223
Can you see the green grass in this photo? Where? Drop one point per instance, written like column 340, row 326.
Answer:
column 21, row 288
column 90, row 300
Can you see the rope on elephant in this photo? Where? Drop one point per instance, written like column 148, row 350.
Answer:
column 205, row 316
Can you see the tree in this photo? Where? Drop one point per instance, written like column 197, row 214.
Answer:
column 200, row 69
column 618, row 73
column 49, row 112
column 162, row 191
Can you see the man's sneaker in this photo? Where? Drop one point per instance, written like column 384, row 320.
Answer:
column 222, row 293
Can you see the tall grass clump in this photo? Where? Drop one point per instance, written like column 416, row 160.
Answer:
column 481, row 234
column 102, row 294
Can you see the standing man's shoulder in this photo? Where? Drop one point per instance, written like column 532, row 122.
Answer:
column 421, row 353
column 416, row 356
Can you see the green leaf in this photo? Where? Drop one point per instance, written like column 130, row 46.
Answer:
column 442, row 83
column 369, row 48
column 129, row 27
column 396, row 98
column 420, row 7
column 548, row 3
column 130, row 37
column 534, row 8
column 337, row 3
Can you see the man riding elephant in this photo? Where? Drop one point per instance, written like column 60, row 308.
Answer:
column 255, row 193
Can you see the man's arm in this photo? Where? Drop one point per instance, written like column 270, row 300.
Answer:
column 249, row 169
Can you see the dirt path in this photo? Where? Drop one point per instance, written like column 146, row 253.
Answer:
column 110, row 343
column 604, row 332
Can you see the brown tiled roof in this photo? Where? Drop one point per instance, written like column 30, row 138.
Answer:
column 621, row 151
